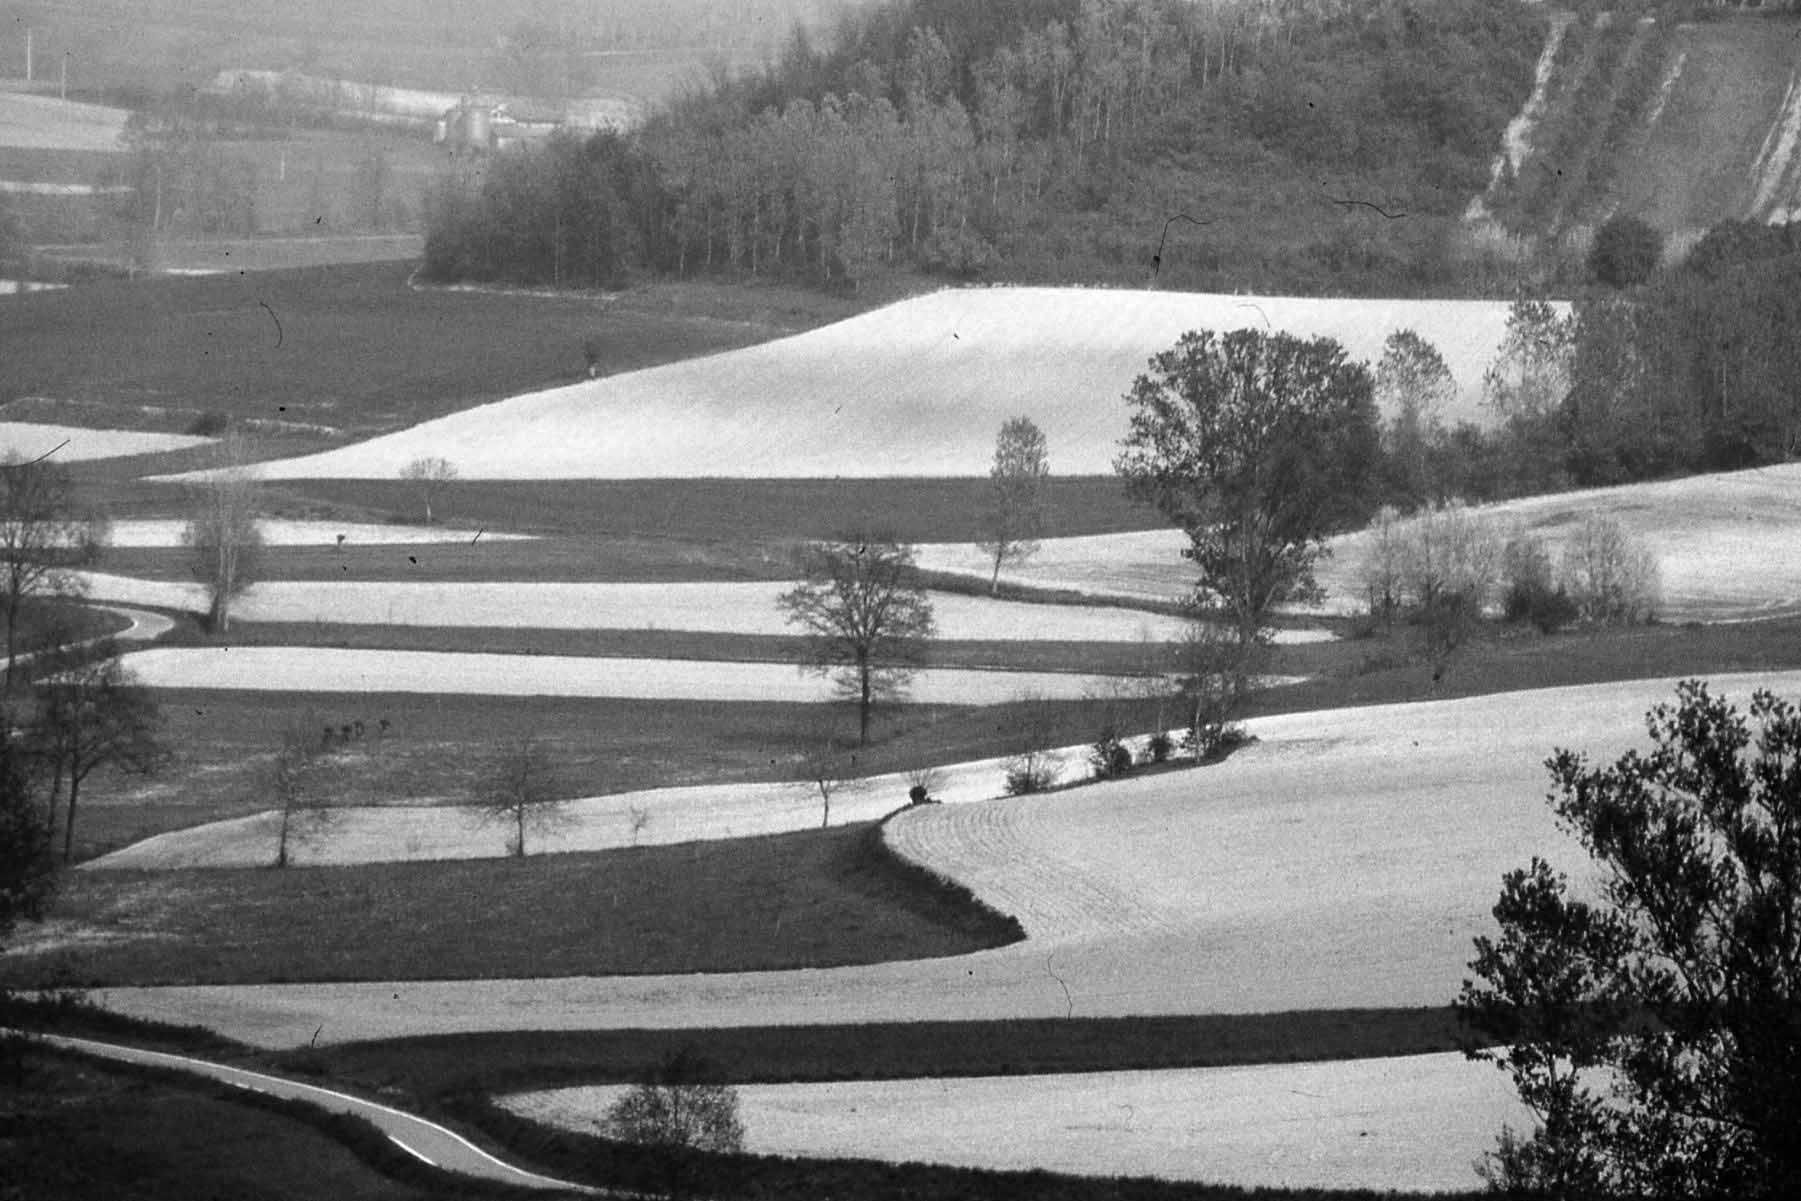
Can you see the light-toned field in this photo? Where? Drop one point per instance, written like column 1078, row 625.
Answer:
column 338, row 669
column 70, row 443
column 743, row 608
column 918, row 388
column 46, row 123
column 1728, row 546
column 1413, row 1123
column 1345, row 860
column 156, row 532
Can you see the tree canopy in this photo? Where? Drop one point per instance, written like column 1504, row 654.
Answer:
column 1654, row 1027
column 1258, row 446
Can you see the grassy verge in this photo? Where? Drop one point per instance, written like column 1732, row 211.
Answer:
column 733, row 512
column 77, row 1128
column 814, row 899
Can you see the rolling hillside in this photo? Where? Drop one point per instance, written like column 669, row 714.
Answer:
column 1682, row 124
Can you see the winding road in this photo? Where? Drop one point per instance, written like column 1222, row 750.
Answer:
column 427, row 1141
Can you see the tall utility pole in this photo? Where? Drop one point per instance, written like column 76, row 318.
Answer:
column 28, row 56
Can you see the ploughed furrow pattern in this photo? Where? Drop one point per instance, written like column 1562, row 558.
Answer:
column 1007, row 854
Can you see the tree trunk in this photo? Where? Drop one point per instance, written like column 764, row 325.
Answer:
column 994, row 581
column 863, row 701
column 69, row 817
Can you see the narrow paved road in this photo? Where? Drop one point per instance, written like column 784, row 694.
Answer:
column 428, row 1141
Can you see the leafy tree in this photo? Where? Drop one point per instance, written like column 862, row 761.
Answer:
column 222, row 531
column 44, row 533
column 675, row 1108
column 1655, row 1029
column 92, row 713
column 865, row 616
column 1412, row 387
column 1258, row 446
column 1625, row 253
column 518, row 791
column 1019, row 476
column 1526, row 386
column 429, row 474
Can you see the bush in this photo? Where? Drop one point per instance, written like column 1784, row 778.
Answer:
column 1110, row 757
column 209, row 424
column 1160, row 747
column 1531, row 591
column 672, row 1109
column 1032, row 771
column 1625, row 252
column 1216, row 742
column 1610, row 576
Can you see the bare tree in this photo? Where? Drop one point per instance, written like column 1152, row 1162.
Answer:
column 44, row 533
column 222, row 530
column 865, row 615
column 518, row 792
column 830, row 767
column 429, row 474
column 1216, row 675
column 1019, row 475
column 1611, row 576
column 295, row 784
column 91, row 713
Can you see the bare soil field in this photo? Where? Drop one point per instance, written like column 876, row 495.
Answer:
column 316, row 669
column 1347, row 859
column 1410, row 1124
column 914, row 389
column 45, row 123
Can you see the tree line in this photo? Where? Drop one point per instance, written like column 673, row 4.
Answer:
column 953, row 137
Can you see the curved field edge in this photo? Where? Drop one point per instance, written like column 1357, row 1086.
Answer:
column 247, row 1133
column 812, row 900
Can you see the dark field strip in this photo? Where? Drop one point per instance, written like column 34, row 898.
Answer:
column 352, row 347
column 1099, row 657
column 437, row 748
column 511, row 1061
column 711, row 511
column 806, row 900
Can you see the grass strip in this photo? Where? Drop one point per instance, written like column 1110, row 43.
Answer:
column 814, row 899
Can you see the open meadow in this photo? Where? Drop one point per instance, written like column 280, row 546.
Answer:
column 585, row 592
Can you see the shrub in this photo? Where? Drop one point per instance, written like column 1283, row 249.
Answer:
column 1109, row 757
column 1625, row 252
column 1610, row 576
column 209, row 424
column 1531, row 590
column 1160, row 747
column 1031, row 771
column 1216, row 742
column 671, row 1109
